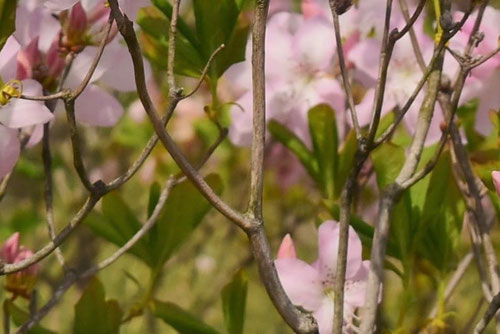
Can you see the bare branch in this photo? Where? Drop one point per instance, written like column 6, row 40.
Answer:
column 259, row 109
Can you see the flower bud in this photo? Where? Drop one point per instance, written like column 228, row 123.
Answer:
column 287, row 249
column 22, row 282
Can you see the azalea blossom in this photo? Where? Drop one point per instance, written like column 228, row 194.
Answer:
column 16, row 113
column 484, row 80
column 311, row 286
column 299, row 75
column 22, row 282
column 41, row 33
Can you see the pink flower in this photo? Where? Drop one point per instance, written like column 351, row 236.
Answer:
column 483, row 80
column 495, row 175
column 311, row 285
column 299, row 75
column 20, row 283
column 16, row 113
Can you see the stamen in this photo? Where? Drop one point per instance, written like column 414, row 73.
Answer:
column 11, row 89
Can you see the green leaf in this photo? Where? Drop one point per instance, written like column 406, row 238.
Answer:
column 19, row 317
column 166, row 8
column 234, row 296
column 297, row 146
column 93, row 314
column 323, row 129
column 117, row 224
column 155, row 29
column 182, row 213
column 388, row 159
column 218, row 24
column 442, row 216
column 384, row 124
column 181, row 320
column 7, row 20
column 154, row 196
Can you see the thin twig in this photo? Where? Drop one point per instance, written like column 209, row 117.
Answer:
column 343, row 71
column 493, row 307
column 391, row 194
column 76, row 145
column 79, row 90
column 204, row 72
column 299, row 322
column 10, row 268
column 172, row 36
column 125, row 27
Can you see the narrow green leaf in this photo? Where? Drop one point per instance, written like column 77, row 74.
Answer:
column 234, row 296
column 155, row 30
column 166, row 8
column 323, row 129
column 218, row 24
column 7, row 20
column 442, row 216
column 182, row 213
column 154, row 196
column 297, row 146
column 181, row 320
column 93, row 314
column 117, row 224
column 388, row 159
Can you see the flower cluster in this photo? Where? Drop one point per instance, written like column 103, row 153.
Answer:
column 50, row 37
column 302, row 71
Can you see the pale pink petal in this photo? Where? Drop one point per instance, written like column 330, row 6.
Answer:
column 9, row 150
column 312, row 53
column 496, row 180
column 131, row 7
column 489, row 99
column 301, row 282
column 10, row 248
column 58, row 5
column 279, row 44
column 287, row 249
column 23, row 255
column 80, row 67
column 324, row 316
column 97, row 107
column 36, row 136
column 362, row 56
column 328, row 243
column 36, row 21
column 8, row 59
column 239, row 79
column 240, row 131
column 117, row 67
column 19, row 113
column 355, row 287
column 312, row 8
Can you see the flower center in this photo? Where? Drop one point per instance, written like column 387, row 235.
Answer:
column 12, row 88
